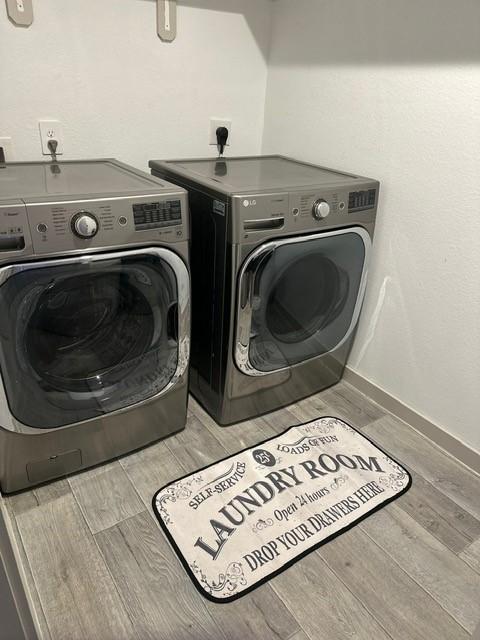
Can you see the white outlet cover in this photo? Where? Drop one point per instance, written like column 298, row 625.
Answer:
column 51, row 130
column 6, row 143
column 220, row 122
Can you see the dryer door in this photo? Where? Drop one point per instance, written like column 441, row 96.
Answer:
column 81, row 337
column 299, row 298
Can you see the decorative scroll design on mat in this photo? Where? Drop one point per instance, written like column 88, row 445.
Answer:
column 181, row 490
column 396, row 479
column 227, row 582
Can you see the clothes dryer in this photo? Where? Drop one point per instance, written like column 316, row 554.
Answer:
column 280, row 255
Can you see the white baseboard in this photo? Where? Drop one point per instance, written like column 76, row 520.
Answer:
column 446, row 441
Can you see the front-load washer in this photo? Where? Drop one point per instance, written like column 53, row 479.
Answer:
column 94, row 315
column 280, row 252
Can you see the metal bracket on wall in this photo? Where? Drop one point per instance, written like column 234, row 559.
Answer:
column 20, row 12
column 167, row 19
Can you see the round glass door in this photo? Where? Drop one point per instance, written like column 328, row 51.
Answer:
column 83, row 338
column 299, row 299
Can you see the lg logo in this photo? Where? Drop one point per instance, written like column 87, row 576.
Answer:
column 249, row 203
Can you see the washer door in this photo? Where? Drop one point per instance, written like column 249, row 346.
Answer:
column 82, row 337
column 299, row 298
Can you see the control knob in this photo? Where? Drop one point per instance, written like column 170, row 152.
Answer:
column 321, row 209
column 84, row 225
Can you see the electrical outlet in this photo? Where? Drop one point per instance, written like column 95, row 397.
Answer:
column 219, row 122
column 51, row 130
column 6, row 145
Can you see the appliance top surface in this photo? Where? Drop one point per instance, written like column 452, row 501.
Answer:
column 260, row 173
column 29, row 180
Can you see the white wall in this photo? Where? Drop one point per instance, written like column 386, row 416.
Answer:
column 391, row 90
column 99, row 67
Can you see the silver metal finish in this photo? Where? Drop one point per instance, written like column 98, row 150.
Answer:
column 84, row 212
column 321, row 209
column 242, row 208
column 245, row 297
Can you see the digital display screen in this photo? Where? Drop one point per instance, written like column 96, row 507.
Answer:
column 155, row 215
column 361, row 200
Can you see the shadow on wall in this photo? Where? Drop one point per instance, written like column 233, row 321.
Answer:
column 249, row 8
column 347, row 32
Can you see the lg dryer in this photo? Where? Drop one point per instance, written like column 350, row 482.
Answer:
column 280, row 252
column 94, row 315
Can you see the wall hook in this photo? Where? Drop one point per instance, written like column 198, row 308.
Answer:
column 167, row 19
column 20, row 12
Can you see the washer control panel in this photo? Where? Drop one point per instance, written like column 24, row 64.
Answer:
column 69, row 226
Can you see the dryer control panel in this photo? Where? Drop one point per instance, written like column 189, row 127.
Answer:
column 279, row 214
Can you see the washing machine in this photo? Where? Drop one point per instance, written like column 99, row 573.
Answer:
column 280, row 254
column 94, row 315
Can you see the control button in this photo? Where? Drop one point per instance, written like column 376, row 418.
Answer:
column 122, row 220
column 84, row 225
column 320, row 209
column 342, row 206
column 42, row 227
column 296, row 211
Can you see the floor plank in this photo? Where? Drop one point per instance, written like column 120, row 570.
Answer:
column 105, row 495
column 454, row 585
column 397, row 602
column 444, row 472
column 32, row 498
column 245, row 434
column 260, row 614
column 471, row 555
column 76, row 591
column 150, row 469
column 30, row 587
column 439, row 515
column 234, row 437
column 345, row 402
column 152, row 584
column 280, row 420
column 195, row 447
column 324, row 607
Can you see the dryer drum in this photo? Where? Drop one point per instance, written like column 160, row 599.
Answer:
column 304, row 299
column 306, row 296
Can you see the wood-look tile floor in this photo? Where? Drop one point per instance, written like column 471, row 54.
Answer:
column 99, row 566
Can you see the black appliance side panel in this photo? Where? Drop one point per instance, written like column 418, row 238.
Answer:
column 211, row 295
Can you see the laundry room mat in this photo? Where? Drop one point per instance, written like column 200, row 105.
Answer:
column 238, row 522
